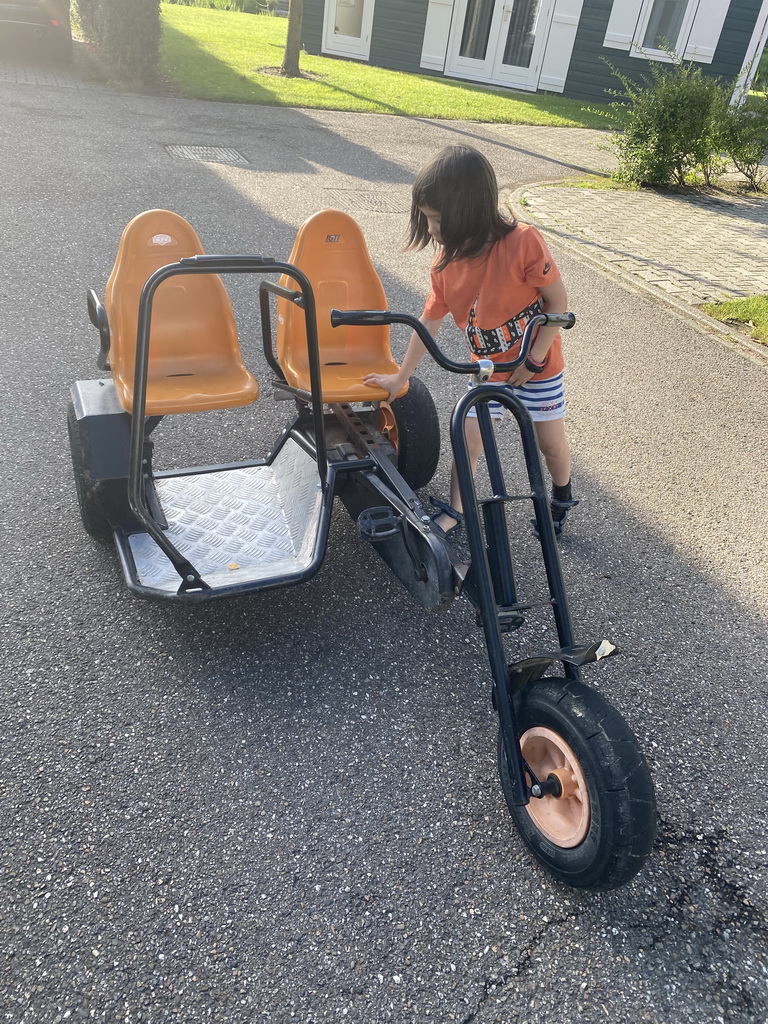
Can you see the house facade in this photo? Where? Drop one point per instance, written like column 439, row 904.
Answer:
column 540, row 45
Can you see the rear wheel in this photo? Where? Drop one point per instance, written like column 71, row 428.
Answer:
column 412, row 426
column 597, row 830
column 90, row 495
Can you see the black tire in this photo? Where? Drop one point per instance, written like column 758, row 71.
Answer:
column 90, row 496
column 609, row 847
column 417, row 439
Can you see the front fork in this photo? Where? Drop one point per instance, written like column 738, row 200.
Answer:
column 493, row 589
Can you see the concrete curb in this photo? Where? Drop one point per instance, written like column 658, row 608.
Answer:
column 723, row 333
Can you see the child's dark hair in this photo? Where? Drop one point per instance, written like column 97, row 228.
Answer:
column 460, row 184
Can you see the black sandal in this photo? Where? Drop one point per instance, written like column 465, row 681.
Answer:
column 559, row 510
column 444, row 509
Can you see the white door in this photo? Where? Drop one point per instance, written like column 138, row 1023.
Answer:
column 347, row 28
column 499, row 41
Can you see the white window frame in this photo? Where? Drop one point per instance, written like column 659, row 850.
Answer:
column 436, row 33
column 679, row 45
column 348, row 46
column 699, row 32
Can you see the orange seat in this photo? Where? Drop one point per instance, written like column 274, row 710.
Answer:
column 194, row 354
column 331, row 251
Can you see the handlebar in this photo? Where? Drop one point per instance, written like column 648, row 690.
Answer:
column 384, row 318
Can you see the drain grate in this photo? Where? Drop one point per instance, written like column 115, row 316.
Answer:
column 349, row 199
column 208, row 154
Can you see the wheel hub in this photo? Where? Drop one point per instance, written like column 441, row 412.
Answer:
column 564, row 818
column 387, row 424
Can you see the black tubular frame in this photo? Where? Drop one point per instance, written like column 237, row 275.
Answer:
column 190, row 578
column 492, row 569
column 478, row 398
column 491, row 565
column 267, row 288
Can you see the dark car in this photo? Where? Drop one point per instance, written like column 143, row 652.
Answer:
column 44, row 20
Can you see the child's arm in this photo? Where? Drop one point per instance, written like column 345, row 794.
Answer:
column 395, row 382
column 554, row 300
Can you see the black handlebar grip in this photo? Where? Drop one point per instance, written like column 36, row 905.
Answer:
column 372, row 318
column 217, row 262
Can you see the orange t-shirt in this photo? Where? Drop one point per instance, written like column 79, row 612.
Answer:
column 502, row 288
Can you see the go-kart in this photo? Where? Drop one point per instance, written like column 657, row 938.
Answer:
column 574, row 778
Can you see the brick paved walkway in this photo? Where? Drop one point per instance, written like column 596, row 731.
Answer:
column 694, row 247
column 27, row 67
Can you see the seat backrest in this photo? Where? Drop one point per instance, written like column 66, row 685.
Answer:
column 193, row 332
column 330, row 250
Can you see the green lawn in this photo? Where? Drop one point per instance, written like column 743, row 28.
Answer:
column 752, row 312
column 221, row 55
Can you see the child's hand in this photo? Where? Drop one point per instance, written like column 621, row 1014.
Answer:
column 520, row 375
column 391, row 382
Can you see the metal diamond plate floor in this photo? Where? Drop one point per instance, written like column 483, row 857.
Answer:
column 237, row 526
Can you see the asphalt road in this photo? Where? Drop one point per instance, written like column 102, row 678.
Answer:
column 287, row 808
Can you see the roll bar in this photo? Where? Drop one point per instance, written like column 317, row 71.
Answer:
column 208, row 264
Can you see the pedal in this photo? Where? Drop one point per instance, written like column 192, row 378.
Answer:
column 509, row 620
column 380, row 523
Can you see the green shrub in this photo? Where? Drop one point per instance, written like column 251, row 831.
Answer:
column 672, row 125
column 761, row 77
column 745, row 135
column 86, row 13
column 219, row 5
column 711, row 160
column 127, row 34
column 257, row 6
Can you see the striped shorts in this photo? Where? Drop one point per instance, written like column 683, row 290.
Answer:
column 544, row 400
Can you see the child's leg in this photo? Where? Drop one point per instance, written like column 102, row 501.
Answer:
column 553, row 445
column 475, row 449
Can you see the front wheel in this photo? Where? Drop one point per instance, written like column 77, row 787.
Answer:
column 597, row 832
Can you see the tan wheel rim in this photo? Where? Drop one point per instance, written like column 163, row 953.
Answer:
column 387, row 424
column 562, row 819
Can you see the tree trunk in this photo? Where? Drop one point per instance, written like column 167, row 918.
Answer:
column 293, row 42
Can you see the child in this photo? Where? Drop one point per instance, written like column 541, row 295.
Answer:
column 492, row 275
